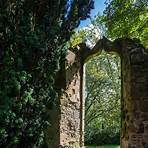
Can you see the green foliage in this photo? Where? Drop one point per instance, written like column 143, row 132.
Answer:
column 128, row 18
column 32, row 41
column 89, row 34
column 102, row 137
column 102, row 114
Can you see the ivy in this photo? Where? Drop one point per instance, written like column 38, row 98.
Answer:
column 33, row 36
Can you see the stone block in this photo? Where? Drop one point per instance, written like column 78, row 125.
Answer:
column 143, row 105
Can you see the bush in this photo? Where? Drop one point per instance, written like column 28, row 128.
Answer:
column 102, row 136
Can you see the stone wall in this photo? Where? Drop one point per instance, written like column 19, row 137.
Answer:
column 67, row 116
column 69, row 124
column 71, row 103
column 134, row 63
column 134, row 92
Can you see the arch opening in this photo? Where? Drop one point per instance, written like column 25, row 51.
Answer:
column 102, row 94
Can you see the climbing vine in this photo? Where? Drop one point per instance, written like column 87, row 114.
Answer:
column 32, row 41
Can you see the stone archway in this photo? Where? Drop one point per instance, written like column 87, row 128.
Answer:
column 67, row 128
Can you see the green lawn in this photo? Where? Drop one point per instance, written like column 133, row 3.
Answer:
column 105, row 146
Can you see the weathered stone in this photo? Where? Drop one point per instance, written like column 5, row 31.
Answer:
column 135, row 94
column 143, row 105
column 145, row 127
column 67, row 129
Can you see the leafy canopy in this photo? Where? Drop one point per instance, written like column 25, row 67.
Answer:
column 128, row 18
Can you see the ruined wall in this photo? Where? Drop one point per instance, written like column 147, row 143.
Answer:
column 67, row 120
column 134, row 63
column 70, row 124
column 134, row 83
column 67, row 125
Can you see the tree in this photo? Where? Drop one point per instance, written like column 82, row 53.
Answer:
column 33, row 36
column 128, row 18
column 102, row 109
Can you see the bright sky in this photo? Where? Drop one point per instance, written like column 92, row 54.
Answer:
column 99, row 7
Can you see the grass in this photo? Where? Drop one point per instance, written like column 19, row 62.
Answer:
column 105, row 146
